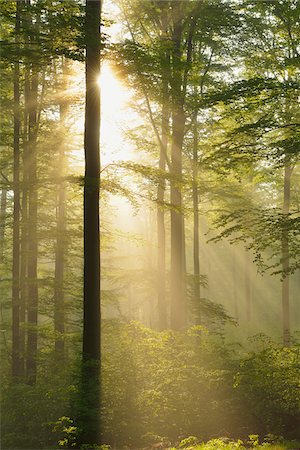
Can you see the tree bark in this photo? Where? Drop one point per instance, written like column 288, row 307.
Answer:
column 32, row 340
column 178, row 294
column 24, row 228
column 196, row 257
column 285, row 257
column 248, row 287
column 235, row 283
column 16, row 212
column 32, row 233
column 3, row 219
column 89, row 416
column 161, row 244
column 59, row 306
column 161, row 234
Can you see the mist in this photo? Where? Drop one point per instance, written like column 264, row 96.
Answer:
column 149, row 236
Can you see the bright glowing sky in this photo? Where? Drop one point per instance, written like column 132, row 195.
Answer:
column 116, row 117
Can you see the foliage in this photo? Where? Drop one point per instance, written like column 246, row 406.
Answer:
column 238, row 82
column 65, row 426
column 164, row 380
column 188, row 442
column 269, row 379
column 31, row 412
column 166, row 385
column 227, row 444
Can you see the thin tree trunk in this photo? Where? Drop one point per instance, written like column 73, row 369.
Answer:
column 24, row 227
column 16, row 213
column 235, row 283
column 178, row 303
column 178, row 294
column 32, row 341
column 161, row 233
column 59, row 307
column 248, row 287
column 285, row 258
column 3, row 219
column 23, row 279
column 59, row 314
column 161, row 250
column 89, row 415
column 196, row 226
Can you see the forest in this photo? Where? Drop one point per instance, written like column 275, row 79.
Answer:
column 150, row 224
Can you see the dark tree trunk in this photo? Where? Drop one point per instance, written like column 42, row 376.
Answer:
column 16, row 214
column 196, row 226
column 32, row 232
column 59, row 313
column 89, row 415
column 178, row 294
column 285, row 258
column 23, row 278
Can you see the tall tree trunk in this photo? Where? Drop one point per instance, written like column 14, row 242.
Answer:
column 59, row 307
column 235, row 283
column 59, row 314
column 89, row 415
column 248, row 286
column 161, row 233
column 2, row 219
column 23, row 276
column 24, row 226
column 32, row 341
column 196, row 257
column 178, row 294
column 161, row 240
column 285, row 257
column 16, row 212
column 178, row 300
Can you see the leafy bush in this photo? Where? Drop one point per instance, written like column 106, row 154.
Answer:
column 268, row 379
column 167, row 384
column 252, row 443
column 30, row 412
column 188, row 442
column 165, row 387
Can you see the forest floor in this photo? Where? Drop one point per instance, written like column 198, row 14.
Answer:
column 221, row 444
column 232, row 446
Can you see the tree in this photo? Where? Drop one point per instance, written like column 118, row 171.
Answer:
column 172, row 46
column 178, row 313
column 286, row 327
column 59, row 297
column 16, row 213
column 33, row 296
column 266, row 142
column 89, row 415
column 163, row 152
column 3, row 217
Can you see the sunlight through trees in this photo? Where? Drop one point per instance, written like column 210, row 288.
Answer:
column 150, row 270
